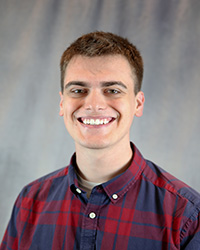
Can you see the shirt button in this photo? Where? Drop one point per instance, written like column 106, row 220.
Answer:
column 78, row 191
column 92, row 215
column 115, row 196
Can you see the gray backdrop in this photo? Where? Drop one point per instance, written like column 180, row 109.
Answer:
column 33, row 35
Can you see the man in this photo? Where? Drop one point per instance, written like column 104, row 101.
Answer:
column 109, row 197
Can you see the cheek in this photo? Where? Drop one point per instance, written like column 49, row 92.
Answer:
column 128, row 115
column 126, row 108
column 67, row 116
column 69, row 107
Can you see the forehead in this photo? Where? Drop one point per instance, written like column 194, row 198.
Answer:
column 109, row 67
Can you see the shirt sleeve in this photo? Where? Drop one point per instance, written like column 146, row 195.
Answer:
column 191, row 233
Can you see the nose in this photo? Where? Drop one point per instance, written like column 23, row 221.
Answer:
column 95, row 101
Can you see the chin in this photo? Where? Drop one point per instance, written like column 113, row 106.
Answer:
column 94, row 145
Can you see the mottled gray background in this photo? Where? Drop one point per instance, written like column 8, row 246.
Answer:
column 33, row 35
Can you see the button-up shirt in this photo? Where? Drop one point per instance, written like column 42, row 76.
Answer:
column 142, row 208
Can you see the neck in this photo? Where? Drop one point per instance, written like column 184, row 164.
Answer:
column 101, row 165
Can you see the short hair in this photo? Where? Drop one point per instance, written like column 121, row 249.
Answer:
column 100, row 43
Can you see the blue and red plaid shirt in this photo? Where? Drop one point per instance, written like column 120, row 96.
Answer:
column 143, row 208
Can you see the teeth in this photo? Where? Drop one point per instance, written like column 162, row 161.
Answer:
column 105, row 121
column 95, row 122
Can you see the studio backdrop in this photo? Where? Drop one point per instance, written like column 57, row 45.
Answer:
column 33, row 35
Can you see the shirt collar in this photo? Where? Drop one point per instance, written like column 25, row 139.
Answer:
column 119, row 185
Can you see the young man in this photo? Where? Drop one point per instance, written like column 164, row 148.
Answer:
column 109, row 197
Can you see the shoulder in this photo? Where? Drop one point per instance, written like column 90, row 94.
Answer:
column 49, row 178
column 43, row 187
column 171, row 185
column 179, row 200
column 161, row 178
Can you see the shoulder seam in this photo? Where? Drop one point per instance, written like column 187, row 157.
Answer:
column 49, row 177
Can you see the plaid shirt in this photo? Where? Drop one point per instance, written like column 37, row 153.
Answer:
column 143, row 208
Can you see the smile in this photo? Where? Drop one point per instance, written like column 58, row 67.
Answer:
column 96, row 122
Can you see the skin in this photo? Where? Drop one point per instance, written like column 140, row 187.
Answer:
column 101, row 89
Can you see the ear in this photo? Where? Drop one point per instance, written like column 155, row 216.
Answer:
column 61, row 112
column 140, row 99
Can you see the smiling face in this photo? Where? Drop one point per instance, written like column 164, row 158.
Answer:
column 98, row 102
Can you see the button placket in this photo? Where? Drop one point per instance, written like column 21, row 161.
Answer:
column 92, row 215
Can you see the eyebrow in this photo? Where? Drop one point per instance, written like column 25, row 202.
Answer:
column 75, row 83
column 111, row 83
column 103, row 84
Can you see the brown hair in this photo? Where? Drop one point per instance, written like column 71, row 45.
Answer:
column 101, row 44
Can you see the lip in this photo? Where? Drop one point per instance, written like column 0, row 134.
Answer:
column 95, row 122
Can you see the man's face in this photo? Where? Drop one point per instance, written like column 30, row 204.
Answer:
column 98, row 102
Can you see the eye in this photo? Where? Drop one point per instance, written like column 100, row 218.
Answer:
column 112, row 91
column 77, row 91
column 80, row 91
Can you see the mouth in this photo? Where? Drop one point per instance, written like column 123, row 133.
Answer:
column 96, row 121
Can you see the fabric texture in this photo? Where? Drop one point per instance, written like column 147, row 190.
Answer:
column 143, row 208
